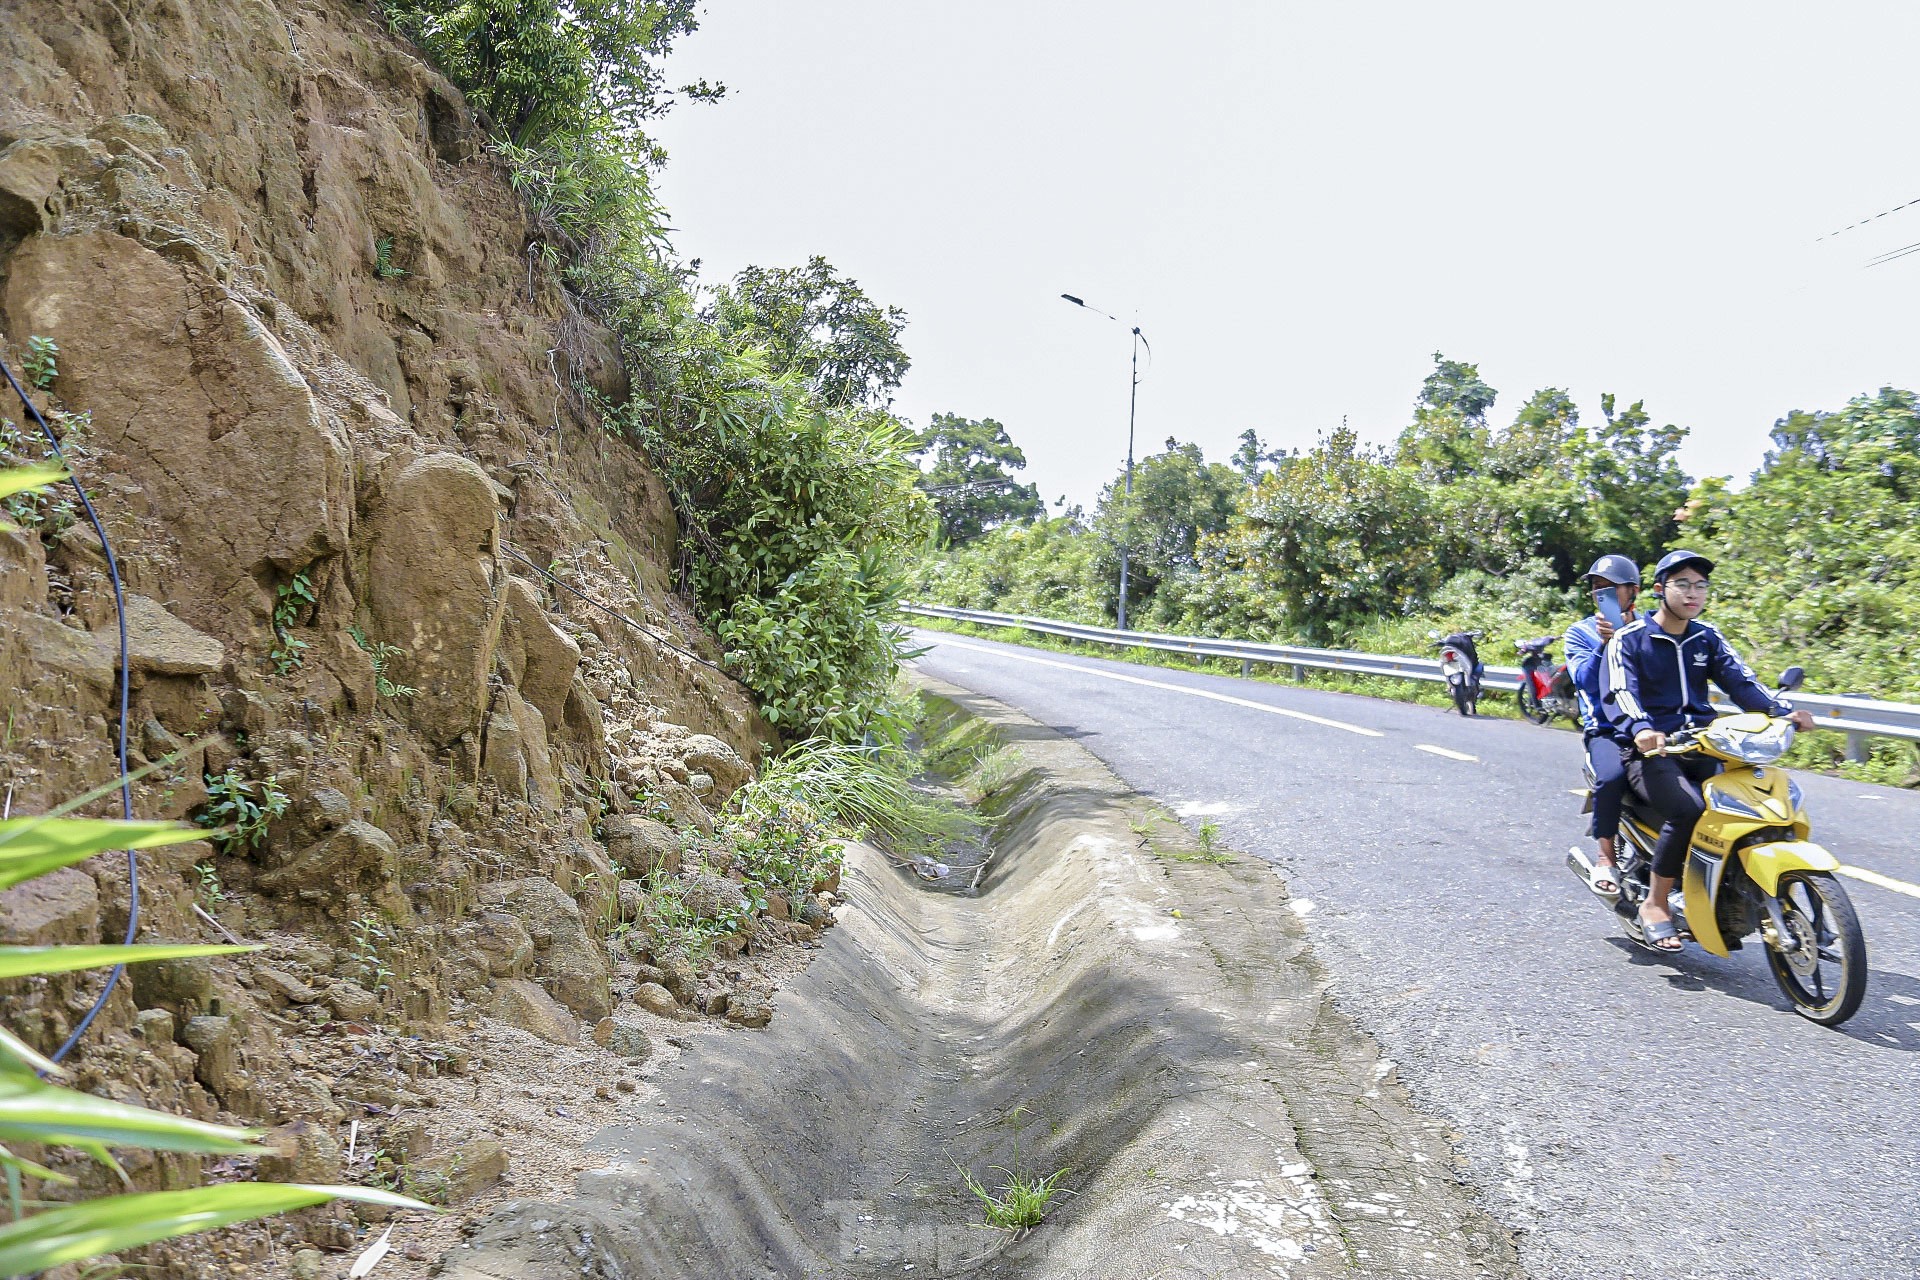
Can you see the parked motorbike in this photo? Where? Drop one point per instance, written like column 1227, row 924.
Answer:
column 1546, row 686
column 1751, row 868
column 1460, row 664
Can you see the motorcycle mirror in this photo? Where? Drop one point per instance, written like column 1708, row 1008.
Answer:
column 1791, row 678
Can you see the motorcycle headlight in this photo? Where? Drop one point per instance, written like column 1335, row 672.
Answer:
column 1732, row 804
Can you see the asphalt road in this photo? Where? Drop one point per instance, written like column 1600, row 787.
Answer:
column 1627, row 1114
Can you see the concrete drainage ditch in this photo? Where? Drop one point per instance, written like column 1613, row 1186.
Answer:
column 1218, row 1116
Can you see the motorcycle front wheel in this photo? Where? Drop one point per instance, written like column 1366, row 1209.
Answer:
column 1822, row 967
column 1530, row 705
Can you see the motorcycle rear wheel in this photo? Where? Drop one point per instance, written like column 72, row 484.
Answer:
column 1824, row 971
column 1530, row 705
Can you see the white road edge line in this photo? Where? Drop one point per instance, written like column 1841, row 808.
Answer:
column 1442, row 751
column 1174, row 688
column 1885, row 882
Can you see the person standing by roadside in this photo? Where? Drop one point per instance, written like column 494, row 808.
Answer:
column 1615, row 583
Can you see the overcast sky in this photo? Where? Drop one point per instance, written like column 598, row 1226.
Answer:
column 1300, row 203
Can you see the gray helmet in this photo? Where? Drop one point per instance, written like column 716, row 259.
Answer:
column 1616, row 569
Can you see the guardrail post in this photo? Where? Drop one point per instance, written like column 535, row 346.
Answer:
column 1859, row 749
column 1299, row 674
column 1246, row 668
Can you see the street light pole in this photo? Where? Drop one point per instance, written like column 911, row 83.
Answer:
column 1133, row 400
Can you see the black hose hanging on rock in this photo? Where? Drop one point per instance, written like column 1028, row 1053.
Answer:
column 126, row 785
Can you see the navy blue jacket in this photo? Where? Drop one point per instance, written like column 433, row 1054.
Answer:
column 1656, row 681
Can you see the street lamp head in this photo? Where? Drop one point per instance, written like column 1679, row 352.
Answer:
column 1075, row 301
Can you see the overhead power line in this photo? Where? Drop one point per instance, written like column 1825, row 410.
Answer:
column 1864, row 221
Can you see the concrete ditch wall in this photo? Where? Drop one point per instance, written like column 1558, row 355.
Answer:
column 1156, row 1026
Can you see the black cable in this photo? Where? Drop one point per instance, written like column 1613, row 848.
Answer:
column 126, row 786
column 615, row 613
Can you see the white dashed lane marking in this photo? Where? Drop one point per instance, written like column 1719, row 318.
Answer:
column 1442, row 751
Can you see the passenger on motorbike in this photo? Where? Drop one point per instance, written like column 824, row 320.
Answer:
column 1655, row 683
column 1586, row 642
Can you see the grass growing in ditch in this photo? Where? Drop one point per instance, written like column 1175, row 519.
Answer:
column 1022, row 1199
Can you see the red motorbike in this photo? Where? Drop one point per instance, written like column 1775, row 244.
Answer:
column 1546, row 686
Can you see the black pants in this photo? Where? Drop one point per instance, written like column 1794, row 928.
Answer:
column 1671, row 784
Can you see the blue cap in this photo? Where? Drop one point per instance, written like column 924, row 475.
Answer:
column 1674, row 561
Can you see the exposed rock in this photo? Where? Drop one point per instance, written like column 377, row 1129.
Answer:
column 212, row 1041
column 710, row 896
column 61, row 906
column 459, row 1173
column 656, row 999
column 704, row 753
column 29, row 175
column 431, row 590
column 154, row 1026
column 680, row 978
column 541, row 658
column 182, row 986
column 640, row 845
column 277, row 461
column 523, row 1003
column 304, row 1152
column 327, row 809
column 495, row 943
column 572, row 964
column 345, row 875
column 282, row 987
column 350, row 1001
column 160, row 644
column 629, row 1041
column 750, row 1008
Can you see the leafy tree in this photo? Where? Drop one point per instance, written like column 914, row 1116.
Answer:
column 1457, row 386
column 1630, row 475
column 541, row 69
column 1177, row 497
column 1819, row 557
column 970, row 480
column 1340, row 533
column 818, row 324
column 1253, row 456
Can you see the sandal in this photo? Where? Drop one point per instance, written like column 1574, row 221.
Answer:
column 1656, row 934
column 1602, row 879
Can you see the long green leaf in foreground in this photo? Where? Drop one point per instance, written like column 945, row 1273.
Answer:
column 20, row 962
column 32, row 847
column 92, row 1228
column 33, row 1111
column 20, row 479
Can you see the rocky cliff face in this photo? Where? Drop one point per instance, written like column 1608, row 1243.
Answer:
column 318, row 391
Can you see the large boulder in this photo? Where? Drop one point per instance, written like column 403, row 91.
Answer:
column 351, row 872
column 566, row 958
column 540, row 658
column 197, row 403
column 430, row 588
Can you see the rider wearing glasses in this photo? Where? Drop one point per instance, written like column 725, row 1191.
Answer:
column 1655, row 683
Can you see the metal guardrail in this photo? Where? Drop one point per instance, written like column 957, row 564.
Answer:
column 1858, row 718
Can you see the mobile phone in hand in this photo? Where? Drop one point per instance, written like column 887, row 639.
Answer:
column 1607, row 602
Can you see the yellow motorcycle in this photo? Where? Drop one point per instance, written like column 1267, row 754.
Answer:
column 1751, row 868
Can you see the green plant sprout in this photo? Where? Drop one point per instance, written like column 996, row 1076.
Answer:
column 382, row 653
column 384, row 267
column 238, row 810
column 42, row 361
column 289, row 600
